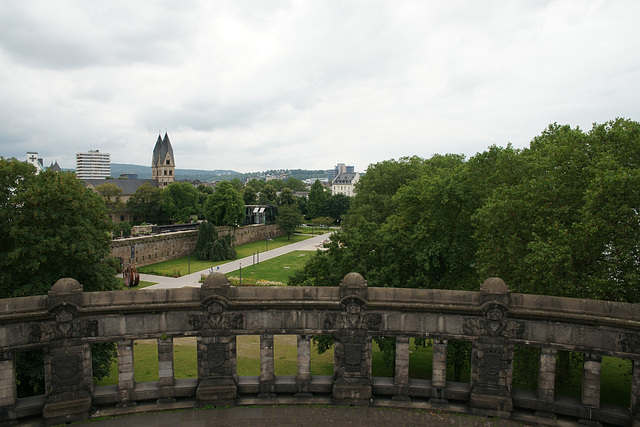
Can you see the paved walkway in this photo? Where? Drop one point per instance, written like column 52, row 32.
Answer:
column 193, row 279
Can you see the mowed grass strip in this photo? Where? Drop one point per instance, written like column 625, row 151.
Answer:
column 276, row 270
column 616, row 378
column 180, row 266
column 142, row 284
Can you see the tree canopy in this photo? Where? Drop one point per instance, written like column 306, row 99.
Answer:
column 111, row 195
column 559, row 218
column 52, row 227
column 146, row 204
column 180, row 201
column 316, row 204
column 225, row 206
column 210, row 246
column 288, row 218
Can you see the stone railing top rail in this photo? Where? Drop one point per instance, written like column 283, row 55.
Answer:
column 422, row 300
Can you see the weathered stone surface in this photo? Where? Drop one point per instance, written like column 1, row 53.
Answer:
column 65, row 323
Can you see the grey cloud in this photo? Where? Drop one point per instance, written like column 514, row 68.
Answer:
column 54, row 35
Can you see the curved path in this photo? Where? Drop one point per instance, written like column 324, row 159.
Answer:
column 193, row 279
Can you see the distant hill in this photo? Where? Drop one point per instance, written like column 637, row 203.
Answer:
column 144, row 172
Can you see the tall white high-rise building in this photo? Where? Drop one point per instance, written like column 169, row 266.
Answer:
column 93, row 165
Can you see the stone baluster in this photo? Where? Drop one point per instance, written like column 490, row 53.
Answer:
column 547, row 374
column 635, row 393
column 439, row 372
column 126, row 374
column 8, row 389
column 546, row 380
column 401, row 376
column 303, row 376
column 591, row 369
column 165, row 370
column 267, row 374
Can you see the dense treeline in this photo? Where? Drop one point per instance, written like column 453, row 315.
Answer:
column 558, row 218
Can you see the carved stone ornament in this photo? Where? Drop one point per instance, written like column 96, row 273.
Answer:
column 215, row 318
column 353, row 317
column 353, row 356
column 494, row 324
column 65, row 366
column 64, row 327
column 216, row 354
column 630, row 343
column 492, row 363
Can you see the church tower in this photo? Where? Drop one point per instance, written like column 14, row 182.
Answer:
column 163, row 165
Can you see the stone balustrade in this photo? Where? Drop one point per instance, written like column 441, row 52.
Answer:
column 66, row 322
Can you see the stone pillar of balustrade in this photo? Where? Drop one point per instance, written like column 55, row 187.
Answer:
column 126, row 374
column 401, row 376
column 303, row 376
column 217, row 374
column 547, row 379
column 635, row 393
column 267, row 385
column 591, row 369
column 352, row 343
column 492, row 353
column 439, row 373
column 216, row 371
column 8, row 389
column 165, row 370
column 67, row 361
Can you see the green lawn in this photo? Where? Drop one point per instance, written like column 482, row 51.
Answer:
column 180, row 266
column 316, row 230
column 261, row 245
column 141, row 284
column 615, row 389
column 274, row 270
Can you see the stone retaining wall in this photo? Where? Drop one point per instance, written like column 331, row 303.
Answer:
column 145, row 250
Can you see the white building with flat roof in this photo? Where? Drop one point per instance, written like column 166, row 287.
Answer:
column 93, row 165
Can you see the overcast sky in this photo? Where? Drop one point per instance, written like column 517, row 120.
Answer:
column 257, row 85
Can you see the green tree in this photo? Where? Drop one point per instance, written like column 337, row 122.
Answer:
column 570, row 225
column 211, row 246
column 267, row 195
column 288, row 218
column 286, row 197
column 180, row 200
column 317, row 201
column 256, row 184
column 146, row 204
column 337, row 206
column 294, row 184
column 249, row 195
column 51, row 227
column 374, row 199
column 225, row 206
column 111, row 195
column 204, row 192
column 237, row 185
